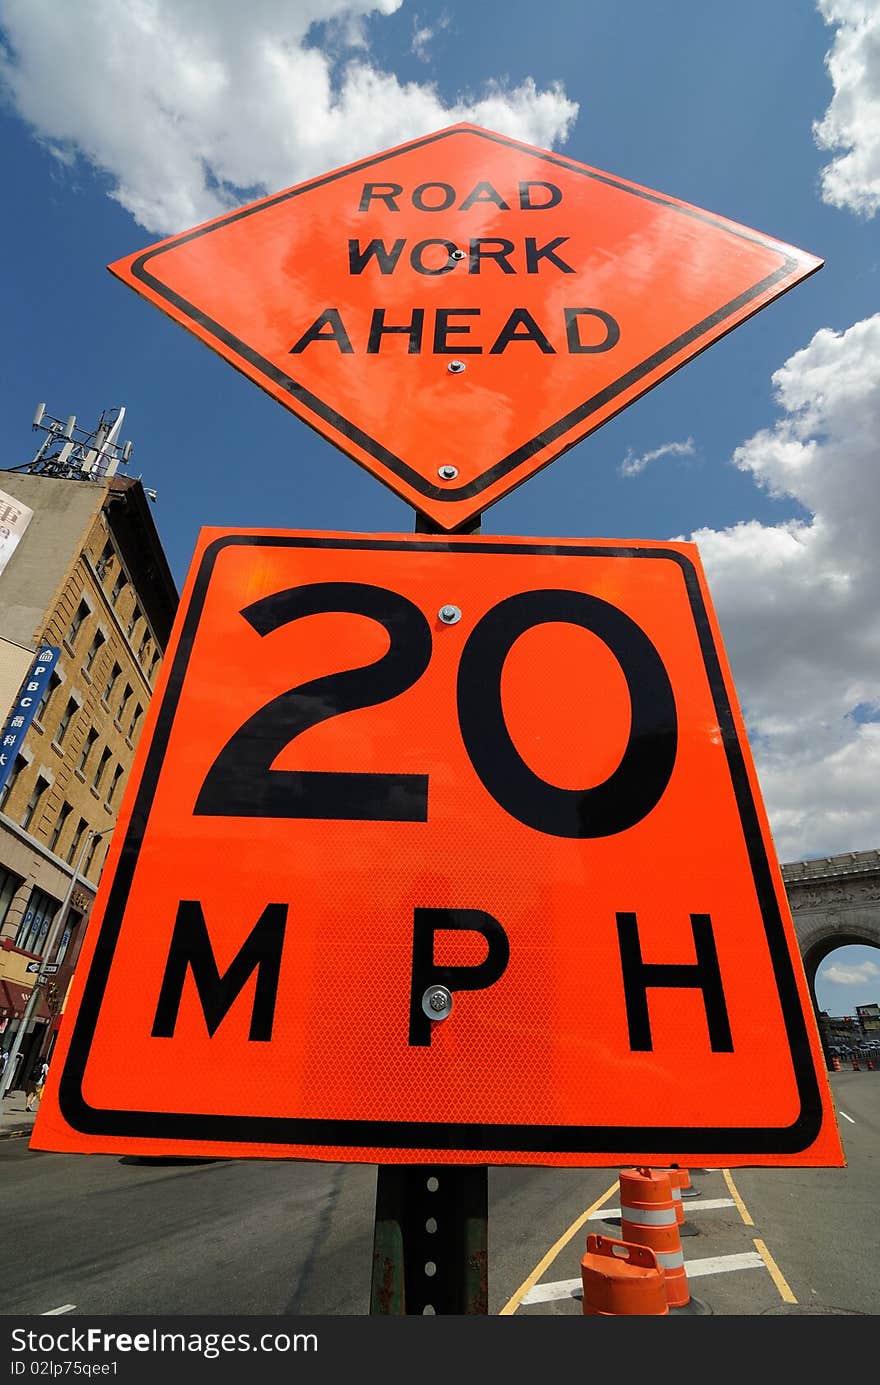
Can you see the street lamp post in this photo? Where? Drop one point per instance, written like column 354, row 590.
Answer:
column 54, row 933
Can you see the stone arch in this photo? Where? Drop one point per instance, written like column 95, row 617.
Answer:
column 835, row 902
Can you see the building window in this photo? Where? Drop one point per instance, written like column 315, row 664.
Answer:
column 9, row 884
column 37, row 792
column 63, row 815
column 144, row 646
column 105, row 562
column 71, row 924
column 34, row 927
column 135, row 722
column 55, row 681
column 133, row 620
column 76, row 842
column 106, row 755
column 93, row 651
column 17, row 768
column 117, row 586
column 111, row 682
column 64, row 724
column 153, row 662
column 91, row 737
column 92, row 853
column 117, row 775
column 123, row 703
column 82, row 611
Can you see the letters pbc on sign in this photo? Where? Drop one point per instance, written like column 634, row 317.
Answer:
column 443, row 849
column 513, row 298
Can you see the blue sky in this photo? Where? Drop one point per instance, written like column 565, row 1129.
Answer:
column 126, row 120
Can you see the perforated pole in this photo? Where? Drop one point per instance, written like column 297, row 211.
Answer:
column 430, row 1244
column 430, row 1252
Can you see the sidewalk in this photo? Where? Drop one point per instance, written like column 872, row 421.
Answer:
column 14, row 1118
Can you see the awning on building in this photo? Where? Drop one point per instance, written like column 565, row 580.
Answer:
column 14, row 996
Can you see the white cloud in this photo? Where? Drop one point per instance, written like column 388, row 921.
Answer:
column 852, row 121
column 421, row 38
column 632, row 465
column 851, row 976
column 192, row 108
column 424, row 34
column 799, row 602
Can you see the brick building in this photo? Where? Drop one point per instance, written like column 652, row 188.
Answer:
column 87, row 580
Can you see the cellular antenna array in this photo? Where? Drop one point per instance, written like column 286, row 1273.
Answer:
column 73, row 453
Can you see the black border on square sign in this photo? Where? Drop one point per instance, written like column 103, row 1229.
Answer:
column 559, row 431
column 438, row 1135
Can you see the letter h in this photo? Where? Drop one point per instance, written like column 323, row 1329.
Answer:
column 703, row 975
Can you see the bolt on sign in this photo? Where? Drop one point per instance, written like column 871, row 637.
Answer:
column 443, row 849
column 515, row 299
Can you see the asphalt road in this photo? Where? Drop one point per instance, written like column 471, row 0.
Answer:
column 103, row 1235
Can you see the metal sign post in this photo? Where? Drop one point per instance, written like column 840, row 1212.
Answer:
column 431, row 1239
column 430, row 1249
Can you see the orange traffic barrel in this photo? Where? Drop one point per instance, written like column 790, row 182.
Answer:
column 682, row 1187
column 647, row 1218
column 686, row 1184
column 676, row 1183
column 835, row 1063
column 620, row 1277
column 684, row 1180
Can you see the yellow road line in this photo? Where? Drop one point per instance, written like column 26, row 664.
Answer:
column 516, row 1298
column 740, row 1205
column 775, row 1272
column 773, row 1269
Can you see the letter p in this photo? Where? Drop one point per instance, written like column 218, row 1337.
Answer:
column 425, row 972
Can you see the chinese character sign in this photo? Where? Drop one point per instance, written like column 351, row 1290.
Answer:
column 25, row 708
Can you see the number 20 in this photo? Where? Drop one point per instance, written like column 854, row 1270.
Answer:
column 242, row 783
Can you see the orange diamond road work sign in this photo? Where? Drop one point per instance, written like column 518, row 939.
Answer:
column 457, row 312
column 443, row 849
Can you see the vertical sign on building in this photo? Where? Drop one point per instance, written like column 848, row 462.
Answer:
column 25, row 708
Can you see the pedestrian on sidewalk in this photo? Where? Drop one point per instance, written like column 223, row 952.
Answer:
column 33, row 1087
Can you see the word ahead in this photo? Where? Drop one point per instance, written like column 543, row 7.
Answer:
column 457, row 312
column 518, row 327
column 443, row 849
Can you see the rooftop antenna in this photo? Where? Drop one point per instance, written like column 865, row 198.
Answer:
column 77, row 454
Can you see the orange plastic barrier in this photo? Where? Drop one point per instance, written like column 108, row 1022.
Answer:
column 647, row 1218
column 677, row 1182
column 620, row 1277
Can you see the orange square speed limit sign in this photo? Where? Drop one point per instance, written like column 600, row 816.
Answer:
column 443, row 849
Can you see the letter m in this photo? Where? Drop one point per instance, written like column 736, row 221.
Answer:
column 191, row 948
